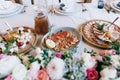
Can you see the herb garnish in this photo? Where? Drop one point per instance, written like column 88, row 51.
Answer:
column 100, row 27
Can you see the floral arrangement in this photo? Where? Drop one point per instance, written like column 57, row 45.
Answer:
column 104, row 65
column 40, row 65
column 50, row 65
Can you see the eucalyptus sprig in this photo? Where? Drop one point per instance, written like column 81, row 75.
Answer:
column 92, row 52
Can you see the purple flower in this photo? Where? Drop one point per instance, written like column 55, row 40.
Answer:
column 59, row 54
column 3, row 56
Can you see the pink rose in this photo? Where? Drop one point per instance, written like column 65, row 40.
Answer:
column 92, row 74
column 42, row 75
column 9, row 77
column 107, row 52
column 59, row 55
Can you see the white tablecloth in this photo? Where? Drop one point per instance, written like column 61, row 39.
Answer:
column 27, row 19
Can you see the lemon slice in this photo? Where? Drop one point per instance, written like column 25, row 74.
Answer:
column 50, row 43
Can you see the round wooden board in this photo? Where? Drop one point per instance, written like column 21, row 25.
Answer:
column 33, row 41
column 88, row 35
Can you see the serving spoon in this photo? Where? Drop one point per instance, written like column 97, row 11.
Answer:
column 113, row 22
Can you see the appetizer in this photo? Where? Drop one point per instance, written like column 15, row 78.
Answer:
column 61, row 40
column 100, row 33
column 17, row 41
column 106, row 32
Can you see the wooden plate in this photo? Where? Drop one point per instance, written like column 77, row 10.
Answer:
column 33, row 40
column 56, row 30
column 88, row 35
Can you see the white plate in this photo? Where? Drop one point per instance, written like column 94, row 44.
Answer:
column 57, row 10
column 18, row 9
column 113, row 4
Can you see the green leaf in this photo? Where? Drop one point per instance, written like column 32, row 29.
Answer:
column 21, row 56
column 118, row 68
column 100, row 27
column 33, row 47
column 85, row 50
column 9, row 46
column 116, row 46
column 32, row 59
column 107, row 59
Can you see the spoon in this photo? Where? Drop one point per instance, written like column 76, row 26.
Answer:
column 8, row 25
column 113, row 21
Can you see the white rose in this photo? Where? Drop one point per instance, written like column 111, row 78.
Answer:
column 55, row 68
column 7, row 64
column 34, row 68
column 19, row 72
column 108, row 72
column 89, row 62
column 115, row 60
column 104, row 78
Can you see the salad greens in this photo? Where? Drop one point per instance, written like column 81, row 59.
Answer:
column 9, row 46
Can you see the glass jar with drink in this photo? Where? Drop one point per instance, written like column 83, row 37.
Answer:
column 41, row 18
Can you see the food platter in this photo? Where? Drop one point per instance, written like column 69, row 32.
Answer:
column 23, row 38
column 54, row 31
column 33, row 41
column 88, row 34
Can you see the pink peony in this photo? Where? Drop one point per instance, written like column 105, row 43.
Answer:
column 9, row 77
column 107, row 52
column 92, row 74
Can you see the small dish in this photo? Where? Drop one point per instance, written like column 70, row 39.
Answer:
column 54, row 31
